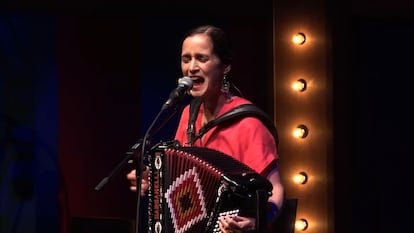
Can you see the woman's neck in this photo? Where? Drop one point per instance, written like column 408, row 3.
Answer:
column 212, row 107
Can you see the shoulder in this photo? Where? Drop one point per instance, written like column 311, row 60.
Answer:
column 244, row 119
column 185, row 113
column 234, row 102
column 237, row 100
column 186, row 108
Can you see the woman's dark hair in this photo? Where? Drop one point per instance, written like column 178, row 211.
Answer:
column 221, row 45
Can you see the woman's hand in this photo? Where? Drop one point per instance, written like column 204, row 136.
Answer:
column 236, row 224
column 132, row 177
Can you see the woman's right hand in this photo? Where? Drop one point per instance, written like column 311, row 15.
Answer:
column 132, row 177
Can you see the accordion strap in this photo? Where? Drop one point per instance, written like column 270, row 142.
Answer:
column 237, row 113
column 194, row 107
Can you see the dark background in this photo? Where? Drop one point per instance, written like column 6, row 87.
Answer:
column 81, row 82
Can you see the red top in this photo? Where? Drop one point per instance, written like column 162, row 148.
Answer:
column 247, row 140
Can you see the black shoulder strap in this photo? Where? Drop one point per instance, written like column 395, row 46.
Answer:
column 194, row 107
column 241, row 111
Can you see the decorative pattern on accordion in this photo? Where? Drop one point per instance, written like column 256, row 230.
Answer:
column 187, row 179
column 186, row 201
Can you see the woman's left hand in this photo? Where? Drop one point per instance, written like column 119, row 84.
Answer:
column 236, row 224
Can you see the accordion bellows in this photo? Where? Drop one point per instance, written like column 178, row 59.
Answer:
column 190, row 187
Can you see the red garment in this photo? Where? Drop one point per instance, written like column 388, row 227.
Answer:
column 247, row 140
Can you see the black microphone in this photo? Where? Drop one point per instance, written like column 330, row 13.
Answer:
column 184, row 84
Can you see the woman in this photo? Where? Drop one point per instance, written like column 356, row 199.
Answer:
column 206, row 58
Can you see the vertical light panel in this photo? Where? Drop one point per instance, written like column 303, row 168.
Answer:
column 303, row 110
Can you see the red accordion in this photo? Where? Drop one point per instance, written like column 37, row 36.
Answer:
column 191, row 187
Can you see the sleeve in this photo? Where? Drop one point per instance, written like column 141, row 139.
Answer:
column 259, row 145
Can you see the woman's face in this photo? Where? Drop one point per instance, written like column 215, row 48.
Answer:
column 203, row 66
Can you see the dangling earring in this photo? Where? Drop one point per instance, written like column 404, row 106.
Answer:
column 225, row 86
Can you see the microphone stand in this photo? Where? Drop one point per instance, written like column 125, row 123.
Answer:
column 175, row 103
column 130, row 155
column 140, row 164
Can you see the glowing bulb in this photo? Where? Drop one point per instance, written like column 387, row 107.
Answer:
column 299, row 85
column 301, row 131
column 299, row 38
column 300, row 178
column 301, row 224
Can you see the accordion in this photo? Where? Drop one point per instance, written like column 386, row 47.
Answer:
column 191, row 187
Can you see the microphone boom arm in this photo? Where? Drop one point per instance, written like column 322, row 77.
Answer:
column 131, row 154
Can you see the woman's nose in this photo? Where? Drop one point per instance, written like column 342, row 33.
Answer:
column 193, row 65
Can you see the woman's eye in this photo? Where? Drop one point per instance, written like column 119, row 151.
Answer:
column 202, row 58
column 185, row 59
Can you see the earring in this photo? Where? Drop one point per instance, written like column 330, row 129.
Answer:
column 225, row 86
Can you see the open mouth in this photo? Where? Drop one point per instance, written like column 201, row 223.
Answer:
column 197, row 80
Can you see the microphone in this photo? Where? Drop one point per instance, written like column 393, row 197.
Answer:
column 184, row 84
